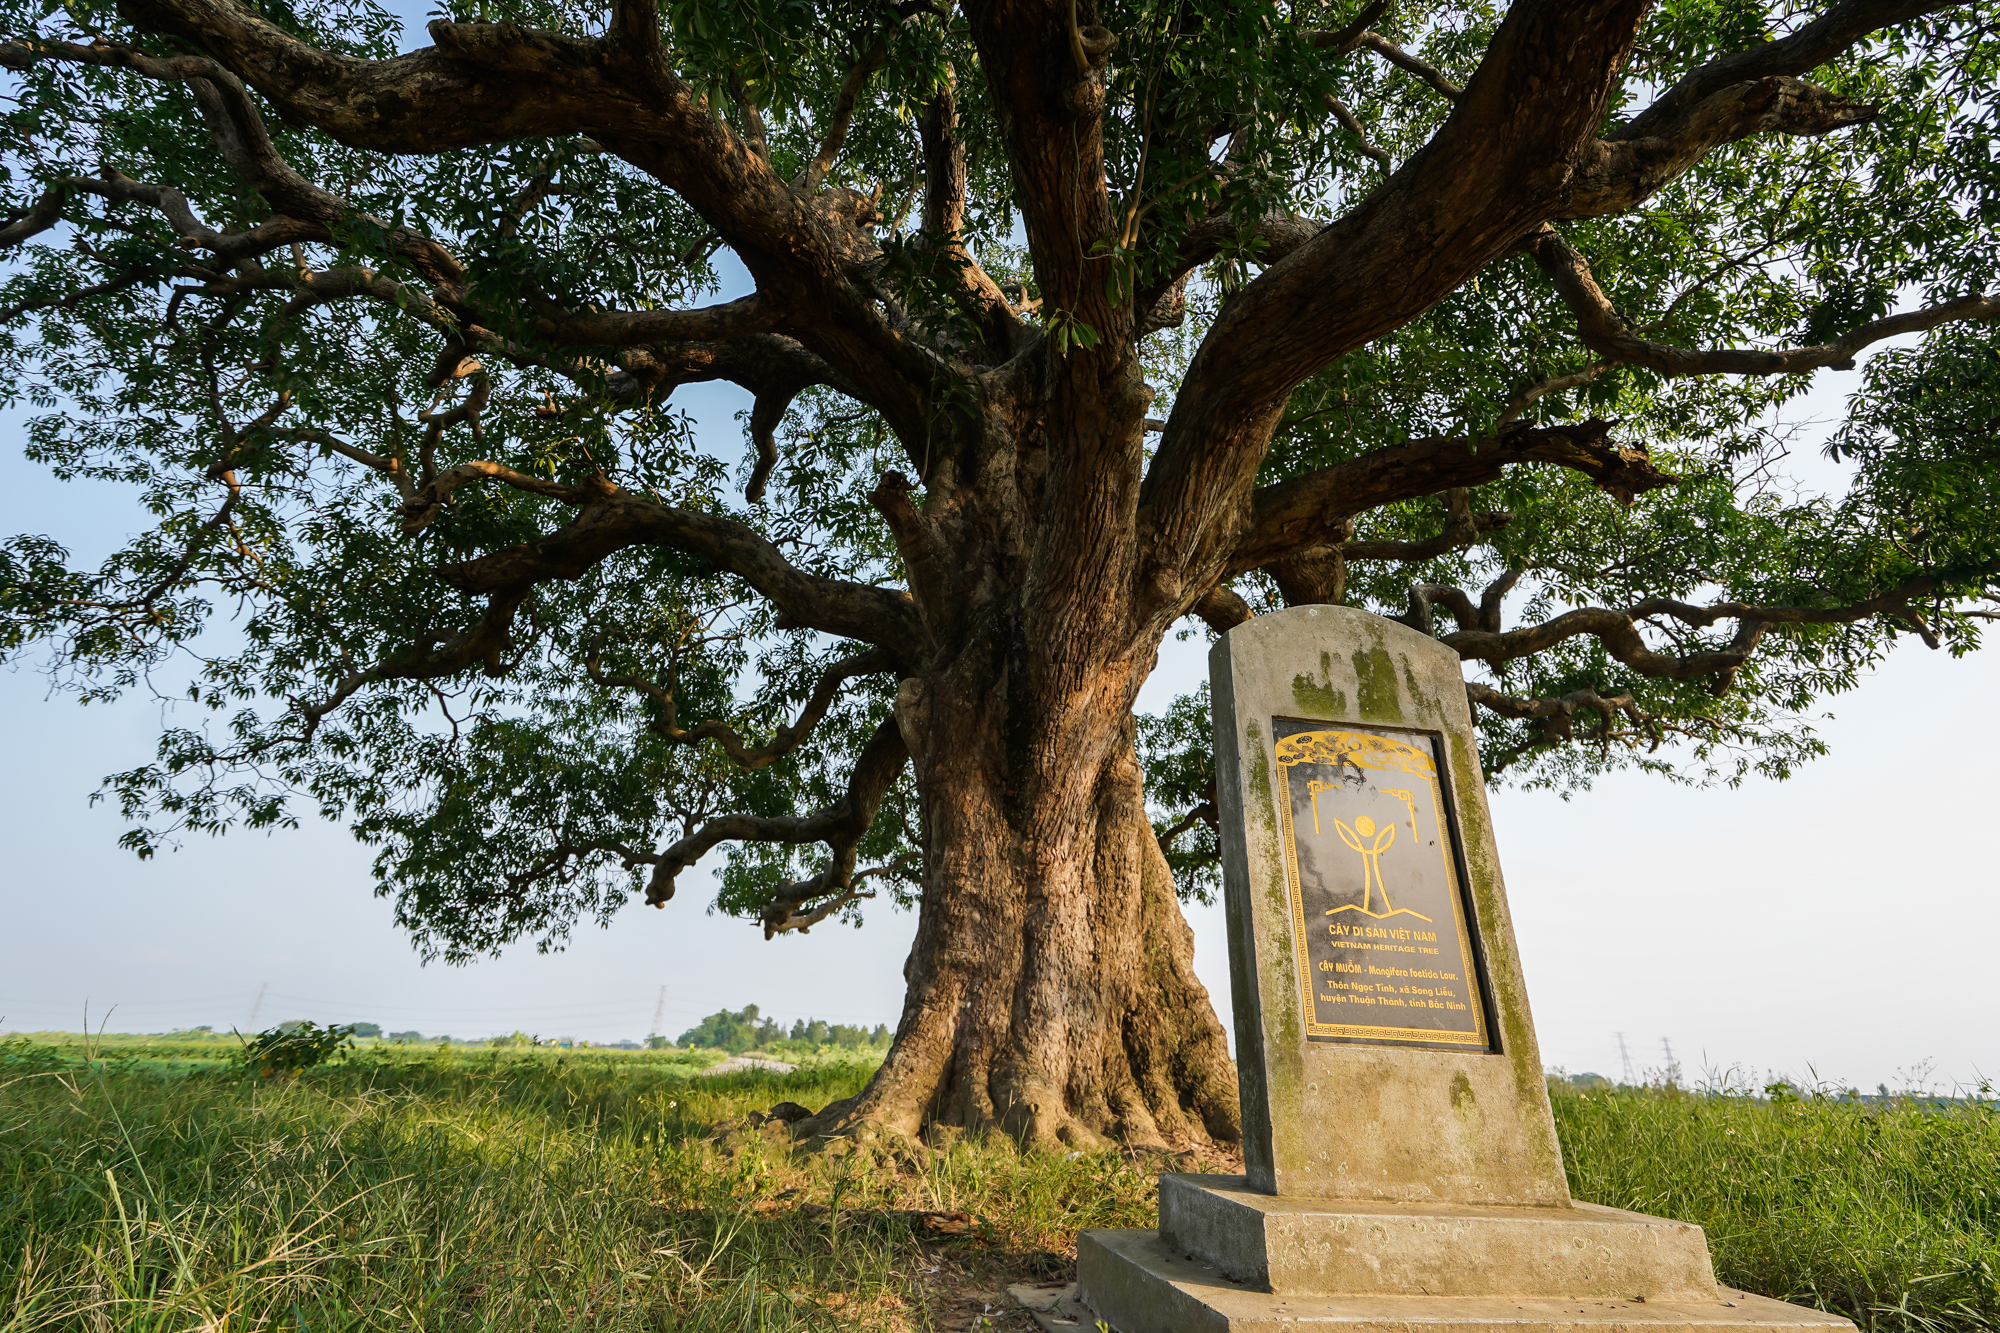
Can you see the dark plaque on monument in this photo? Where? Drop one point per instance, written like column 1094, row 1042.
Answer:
column 1387, row 953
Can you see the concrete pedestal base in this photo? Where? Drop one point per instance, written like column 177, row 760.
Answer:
column 1286, row 1245
column 1229, row 1259
column 1133, row 1282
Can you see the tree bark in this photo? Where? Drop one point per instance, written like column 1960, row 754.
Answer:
column 1052, row 995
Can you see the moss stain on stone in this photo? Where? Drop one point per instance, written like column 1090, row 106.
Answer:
column 1318, row 698
column 1260, row 769
column 1277, row 986
column 1425, row 703
column 1375, row 690
column 1263, row 821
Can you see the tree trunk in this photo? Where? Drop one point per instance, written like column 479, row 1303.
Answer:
column 1052, row 995
column 1051, row 990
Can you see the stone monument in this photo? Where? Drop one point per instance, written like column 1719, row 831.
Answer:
column 1402, row 1169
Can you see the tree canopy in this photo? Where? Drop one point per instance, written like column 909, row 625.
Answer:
column 1495, row 320
column 749, row 1029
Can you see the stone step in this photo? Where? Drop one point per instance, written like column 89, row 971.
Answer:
column 1136, row 1284
column 1292, row 1245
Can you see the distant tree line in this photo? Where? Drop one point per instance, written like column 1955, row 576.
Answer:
column 745, row 1030
column 748, row 1029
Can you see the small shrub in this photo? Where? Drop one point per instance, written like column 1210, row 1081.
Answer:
column 293, row 1046
column 21, row 1056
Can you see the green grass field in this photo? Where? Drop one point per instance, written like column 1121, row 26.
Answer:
column 1886, row 1213
column 157, row 1188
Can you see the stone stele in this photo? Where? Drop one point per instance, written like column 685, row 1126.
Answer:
column 1402, row 1168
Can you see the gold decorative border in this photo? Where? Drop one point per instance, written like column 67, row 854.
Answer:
column 1366, row 750
column 1373, row 750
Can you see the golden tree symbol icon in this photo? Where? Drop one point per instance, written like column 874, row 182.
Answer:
column 1371, row 857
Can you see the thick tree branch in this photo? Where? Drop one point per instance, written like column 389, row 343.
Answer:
column 842, row 115
column 164, row 199
column 1317, row 575
column 746, row 758
column 1504, row 159
column 1605, row 333
column 1462, row 528
column 1401, row 59
column 191, row 231
column 1624, row 173
column 419, row 102
column 1222, row 609
column 1813, row 45
column 1485, row 616
column 45, row 214
column 485, row 643
column 775, row 369
column 1520, row 144
column 944, row 164
column 765, row 364
column 782, row 913
column 1349, row 36
column 485, row 83
column 1757, row 91
column 635, row 31
column 1491, row 602
column 1618, row 631
column 1042, row 100
column 614, row 520
column 973, row 290
column 767, row 412
column 923, row 550
column 630, row 328
column 1313, row 576
column 390, row 467
column 1350, row 123
column 237, row 129
column 841, row 827
column 1310, row 510
column 1271, row 238
column 1204, row 813
column 426, row 502
column 340, row 284
column 753, row 119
